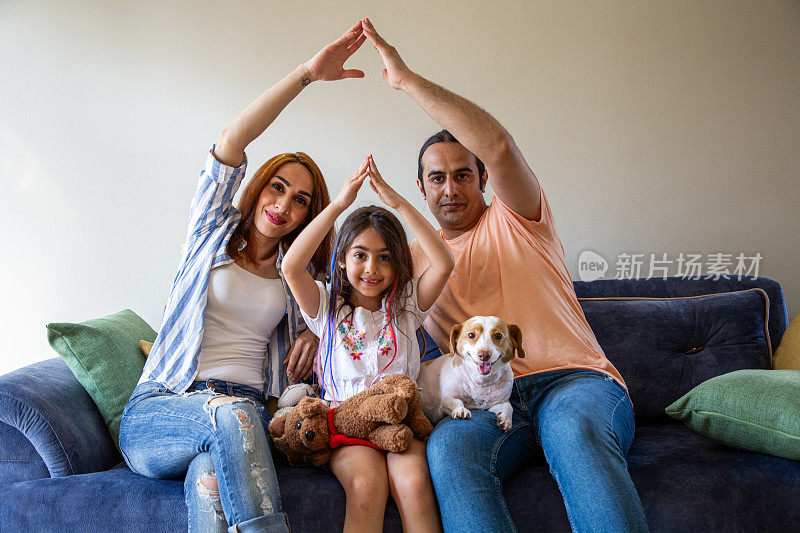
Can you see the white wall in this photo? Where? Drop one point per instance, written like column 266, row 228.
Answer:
column 653, row 127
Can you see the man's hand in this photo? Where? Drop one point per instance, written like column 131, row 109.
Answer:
column 300, row 359
column 396, row 71
column 328, row 63
column 479, row 132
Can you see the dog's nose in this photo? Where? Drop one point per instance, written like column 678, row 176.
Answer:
column 309, row 434
column 484, row 355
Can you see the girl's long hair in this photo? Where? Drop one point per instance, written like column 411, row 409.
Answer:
column 388, row 227
column 247, row 205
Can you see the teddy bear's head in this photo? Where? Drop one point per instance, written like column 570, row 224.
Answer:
column 302, row 434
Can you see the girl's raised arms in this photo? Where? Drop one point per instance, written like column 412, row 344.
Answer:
column 302, row 284
column 326, row 65
column 434, row 277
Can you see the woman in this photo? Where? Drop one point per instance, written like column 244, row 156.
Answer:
column 199, row 406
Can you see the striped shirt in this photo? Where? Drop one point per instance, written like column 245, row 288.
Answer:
column 212, row 218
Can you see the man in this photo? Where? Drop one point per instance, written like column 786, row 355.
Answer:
column 569, row 401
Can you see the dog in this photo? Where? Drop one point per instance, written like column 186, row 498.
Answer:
column 476, row 375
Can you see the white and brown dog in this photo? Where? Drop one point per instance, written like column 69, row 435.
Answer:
column 476, row 375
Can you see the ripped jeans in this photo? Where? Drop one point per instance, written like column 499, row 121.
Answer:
column 166, row 435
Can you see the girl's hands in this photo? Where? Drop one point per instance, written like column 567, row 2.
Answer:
column 351, row 186
column 388, row 196
column 328, row 63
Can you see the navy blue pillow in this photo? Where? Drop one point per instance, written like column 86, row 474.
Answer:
column 664, row 347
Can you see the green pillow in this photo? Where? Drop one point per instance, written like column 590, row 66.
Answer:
column 104, row 355
column 756, row 410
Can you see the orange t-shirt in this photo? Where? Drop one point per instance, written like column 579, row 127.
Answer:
column 513, row 268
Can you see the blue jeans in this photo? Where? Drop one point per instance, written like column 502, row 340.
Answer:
column 165, row 435
column 583, row 422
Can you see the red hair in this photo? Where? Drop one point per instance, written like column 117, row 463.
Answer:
column 247, row 205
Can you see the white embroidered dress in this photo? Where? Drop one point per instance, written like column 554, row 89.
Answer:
column 359, row 353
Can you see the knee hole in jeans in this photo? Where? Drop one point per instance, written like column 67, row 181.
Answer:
column 208, row 489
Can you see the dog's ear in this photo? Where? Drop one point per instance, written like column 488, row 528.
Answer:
column 454, row 334
column 277, row 427
column 516, row 339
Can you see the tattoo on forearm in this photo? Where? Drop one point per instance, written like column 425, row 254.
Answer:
column 305, row 81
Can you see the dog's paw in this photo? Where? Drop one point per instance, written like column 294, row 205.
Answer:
column 503, row 421
column 461, row 412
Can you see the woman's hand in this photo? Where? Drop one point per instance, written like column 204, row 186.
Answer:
column 388, row 196
column 328, row 64
column 351, row 186
column 300, row 359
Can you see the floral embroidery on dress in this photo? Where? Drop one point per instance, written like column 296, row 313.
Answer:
column 353, row 339
column 385, row 341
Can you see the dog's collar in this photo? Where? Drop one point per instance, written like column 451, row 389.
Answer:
column 336, row 439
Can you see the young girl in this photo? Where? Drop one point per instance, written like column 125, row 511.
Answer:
column 230, row 335
column 367, row 324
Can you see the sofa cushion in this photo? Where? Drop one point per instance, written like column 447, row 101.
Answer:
column 119, row 500
column 114, row 500
column 686, row 483
column 104, row 355
column 787, row 354
column 663, row 347
column 756, row 410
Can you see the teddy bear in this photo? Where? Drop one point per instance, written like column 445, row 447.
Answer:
column 292, row 395
column 386, row 416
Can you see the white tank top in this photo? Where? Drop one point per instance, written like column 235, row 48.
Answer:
column 242, row 311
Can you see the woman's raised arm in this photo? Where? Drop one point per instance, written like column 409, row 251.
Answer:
column 326, row 65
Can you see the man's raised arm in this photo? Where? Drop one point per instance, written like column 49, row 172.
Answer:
column 480, row 133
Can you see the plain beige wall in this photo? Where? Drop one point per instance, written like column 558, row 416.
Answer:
column 654, row 127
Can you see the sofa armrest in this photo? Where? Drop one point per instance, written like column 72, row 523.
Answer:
column 45, row 403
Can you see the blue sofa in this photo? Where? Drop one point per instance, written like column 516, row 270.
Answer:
column 60, row 470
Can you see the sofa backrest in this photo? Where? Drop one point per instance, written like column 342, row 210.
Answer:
column 667, row 336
